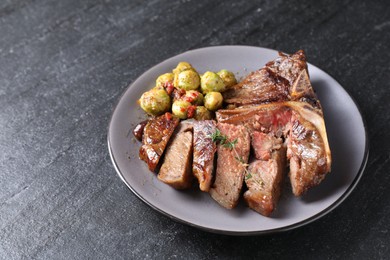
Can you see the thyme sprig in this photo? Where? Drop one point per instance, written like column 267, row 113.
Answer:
column 248, row 175
column 218, row 137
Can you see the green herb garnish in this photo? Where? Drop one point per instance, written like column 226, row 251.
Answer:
column 238, row 158
column 230, row 145
column 218, row 137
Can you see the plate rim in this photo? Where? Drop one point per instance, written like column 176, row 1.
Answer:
column 304, row 222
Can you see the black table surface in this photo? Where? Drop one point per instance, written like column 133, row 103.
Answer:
column 64, row 66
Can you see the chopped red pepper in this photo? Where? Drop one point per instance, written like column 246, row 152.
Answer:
column 181, row 92
column 178, row 93
column 191, row 111
column 169, row 87
column 168, row 116
column 188, row 99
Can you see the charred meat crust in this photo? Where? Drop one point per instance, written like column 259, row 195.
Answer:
column 138, row 130
column 156, row 135
column 204, row 153
column 259, row 87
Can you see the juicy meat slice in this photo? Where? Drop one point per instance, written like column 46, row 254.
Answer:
column 204, row 151
column 308, row 132
column 308, row 158
column 258, row 87
column 156, row 135
column 264, row 181
column 263, row 145
column 176, row 168
column 275, row 82
column 231, row 165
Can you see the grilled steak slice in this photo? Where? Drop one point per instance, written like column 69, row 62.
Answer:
column 308, row 140
column 204, row 151
column 231, row 165
column 157, row 133
column 308, row 158
column 282, row 79
column 264, row 176
column 176, row 168
column 258, row 87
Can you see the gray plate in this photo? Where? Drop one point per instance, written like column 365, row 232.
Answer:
column 346, row 133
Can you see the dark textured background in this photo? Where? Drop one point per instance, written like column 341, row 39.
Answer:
column 63, row 67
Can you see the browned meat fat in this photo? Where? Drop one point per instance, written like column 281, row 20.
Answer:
column 156, row 135
column 231, row 165
column 176, row 168
column 264, row 175
column 204, row 151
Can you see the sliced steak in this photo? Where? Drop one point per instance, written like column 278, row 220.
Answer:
column 264, row 175
column 231, row 165
column 258, row 87
column 204, row 151
column 156, row 135
column 176, row 168
column 308, row 158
